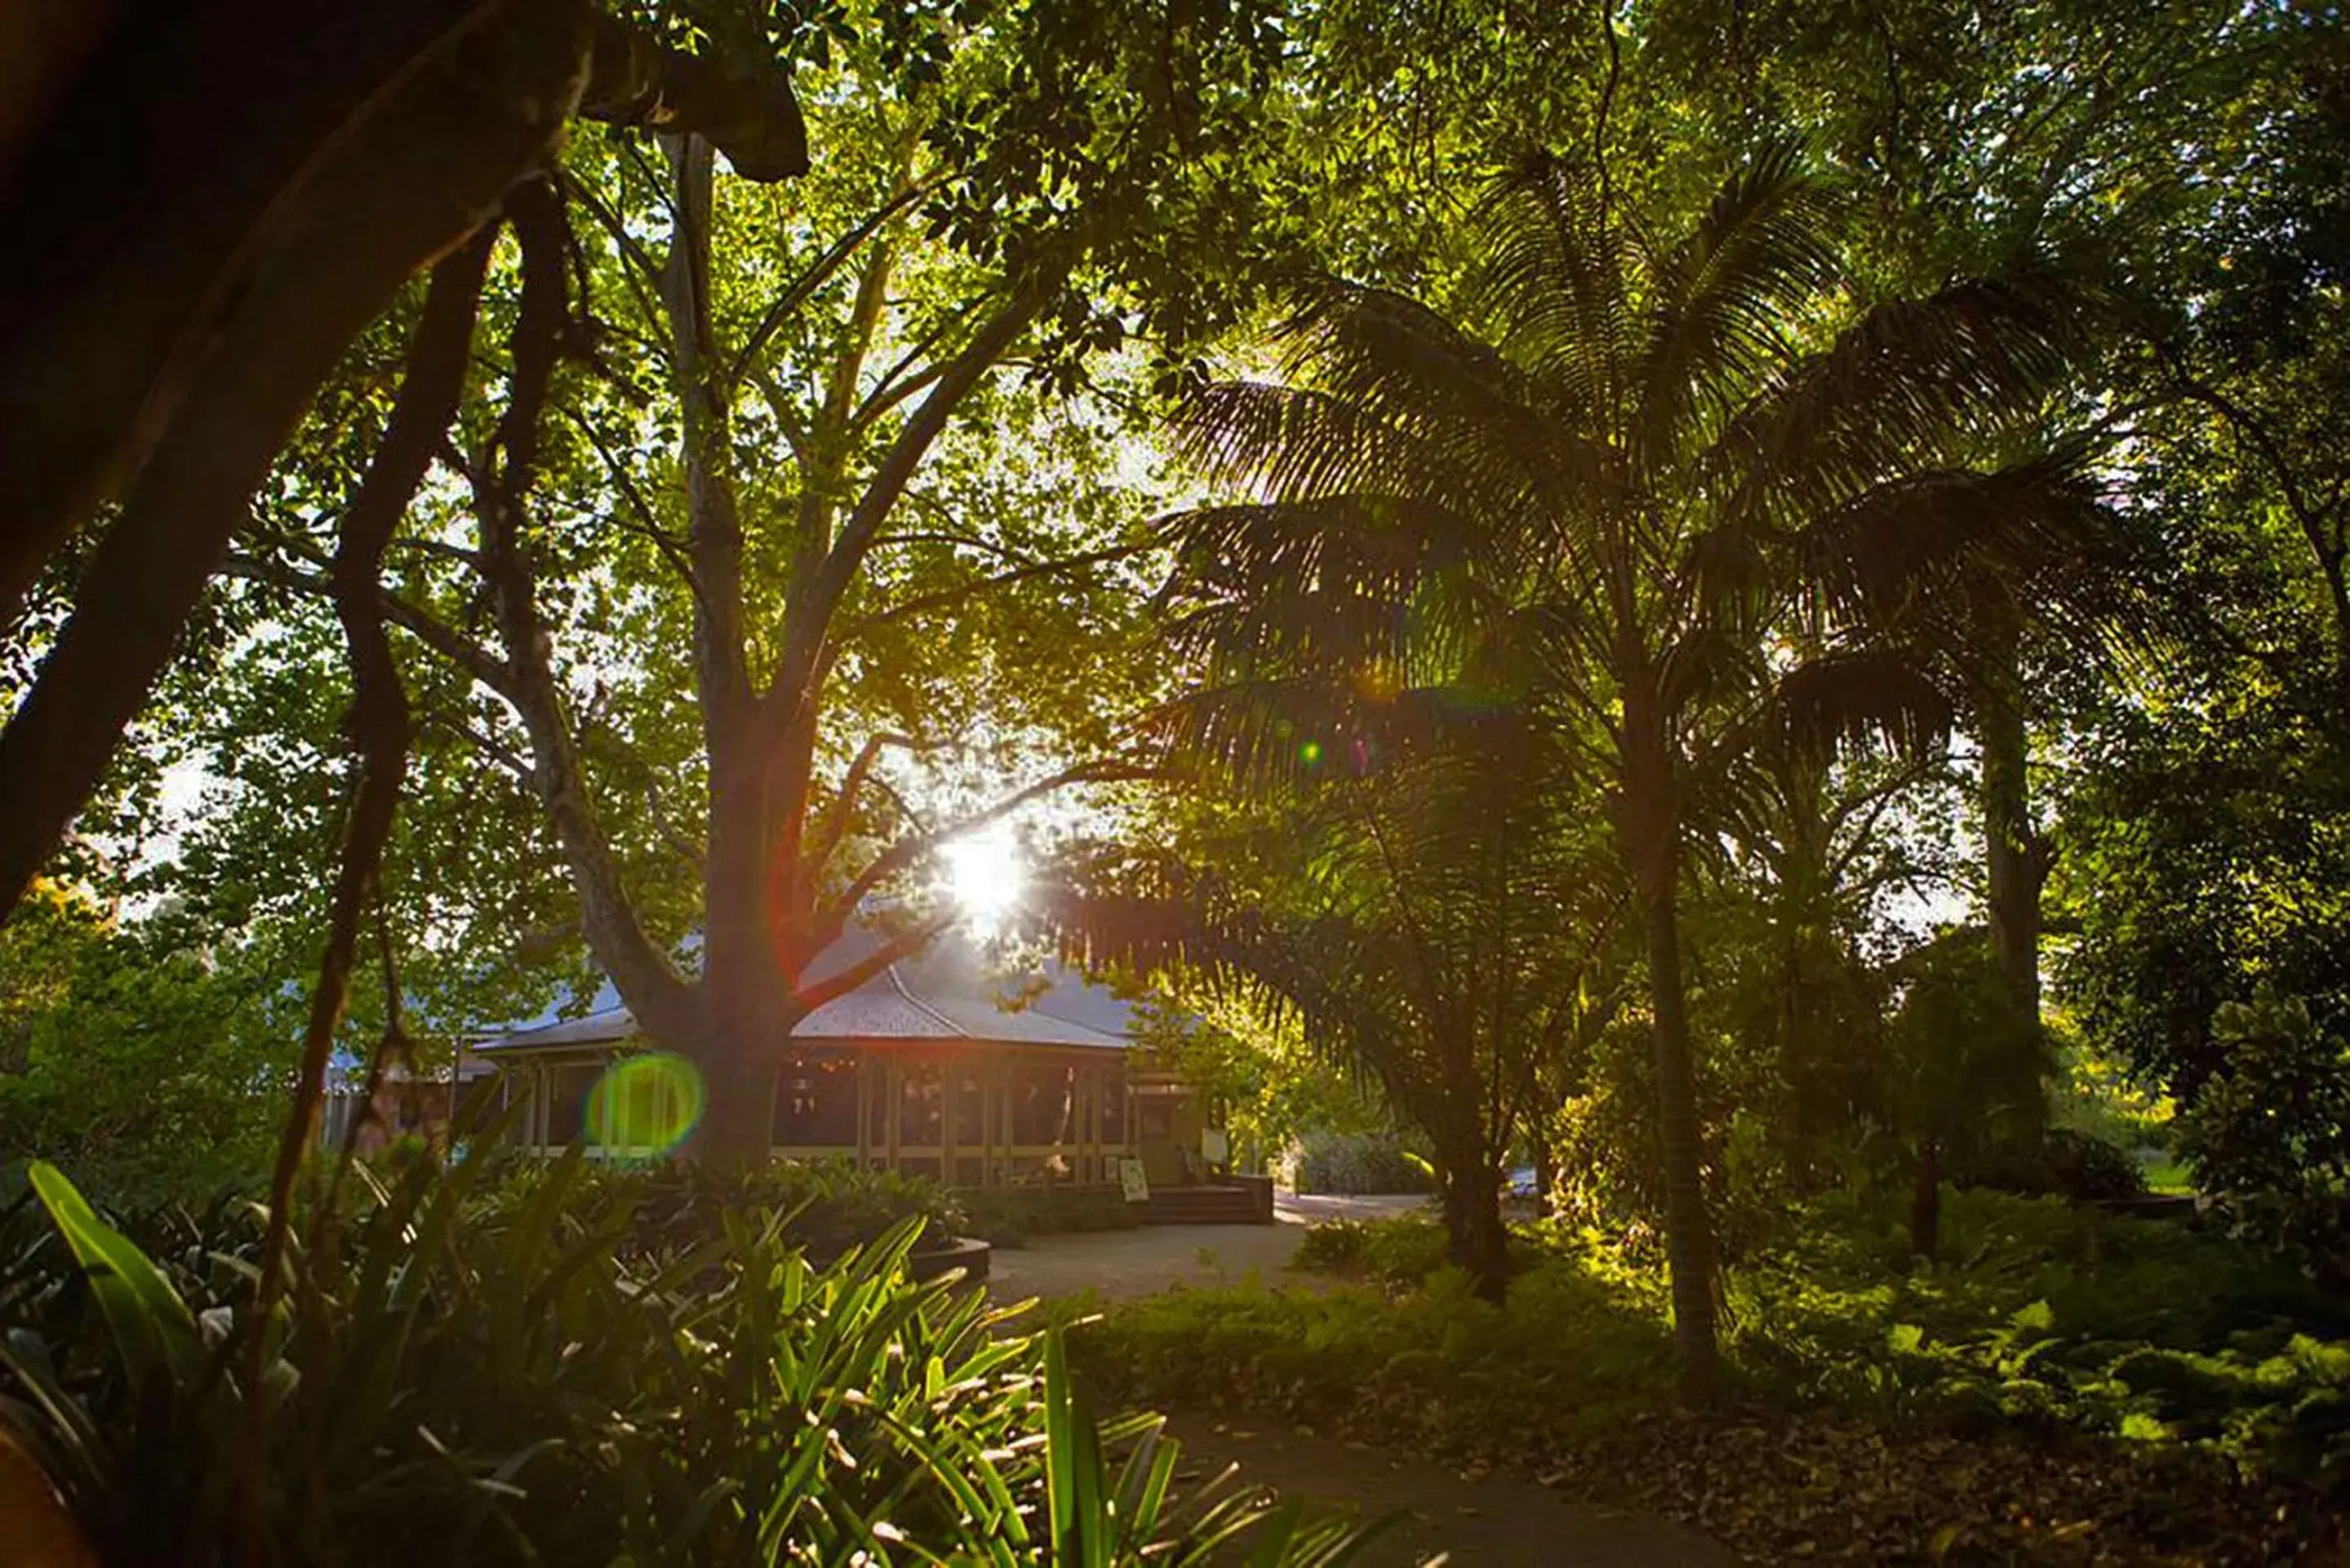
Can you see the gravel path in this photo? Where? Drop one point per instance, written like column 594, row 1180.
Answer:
column 1125, row 1264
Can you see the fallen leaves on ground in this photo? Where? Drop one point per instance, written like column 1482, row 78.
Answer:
column 1779, row 1489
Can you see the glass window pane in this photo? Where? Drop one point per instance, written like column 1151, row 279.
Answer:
column 568, row 1092
column 921, row 1110
column 971, row 1106
column 1113, row 1115
column 1044, row 1104
column 815, row 1099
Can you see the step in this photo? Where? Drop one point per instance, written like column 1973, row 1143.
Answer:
column 1234, row 1204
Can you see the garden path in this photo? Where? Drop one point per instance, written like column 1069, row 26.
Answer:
column 1120, row 1265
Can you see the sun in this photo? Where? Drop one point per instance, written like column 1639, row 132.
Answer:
column 984, row 872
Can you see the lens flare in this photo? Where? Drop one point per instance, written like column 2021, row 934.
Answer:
column 645, row 1104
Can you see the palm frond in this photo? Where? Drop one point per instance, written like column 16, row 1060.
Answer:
column 1723, row 297
column 1851, row 697
column 1892, row 387
column 1551, row 285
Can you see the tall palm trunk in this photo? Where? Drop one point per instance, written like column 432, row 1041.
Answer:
column 2015, row 857
column 1653, row 826
column 1689, row 1229
column 1476, row 1241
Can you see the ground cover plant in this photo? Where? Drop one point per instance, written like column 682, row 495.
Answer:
column 2065, row 1385
column 510, row 1383
column 1008, row 1216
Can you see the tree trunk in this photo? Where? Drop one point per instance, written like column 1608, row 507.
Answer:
column 417, row 180
column 1653, row 825
column 1926, row 1203
column 2015, row 857
column 1688, row 1229
column 1476, row 1241
column 748, row 1009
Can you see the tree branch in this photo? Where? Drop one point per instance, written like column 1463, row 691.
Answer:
column 808, row 635
column 377, row 724
column 909, row 850
column 661, row 1000
column 835, row 827
column 435, row 634
column 802, row 288
column 924, row 603
column 809, row 998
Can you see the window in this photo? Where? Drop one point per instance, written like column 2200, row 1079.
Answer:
column 971, row 1106
column 568, row 1090
column 1113, row 1107
column 1044, row 1104
column 815, row 1099
column 921, row 1108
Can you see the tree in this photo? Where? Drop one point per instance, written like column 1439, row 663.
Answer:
column 1403, row 900
column 1717, row 503
column 761, row 460
column 203, row 271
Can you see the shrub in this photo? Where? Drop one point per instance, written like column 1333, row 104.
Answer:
column 1402, row 1251
column 2056, row 1317
column 824, row 1206
column 2051, row 1318
column 2269, row 1132
column 2056, row 1163
column 1008, row 1216
column 1436, row 1365
column 1352, row 1164
column 490, row 1382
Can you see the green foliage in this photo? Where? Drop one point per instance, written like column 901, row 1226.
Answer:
column 2056, row 1162
column 487, row 1383
column 2268, row 1133
column 2050, row 1319
column 1353, row 1163
column 1400, row 1252
column 1435, row 1365
column 826, row 1207
column 1008, row 1216
column 146, row 1062
column 1968, row 1073
column 2054, row 1318
column 1255, row 1063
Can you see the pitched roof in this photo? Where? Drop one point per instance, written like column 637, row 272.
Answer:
column 949, row 992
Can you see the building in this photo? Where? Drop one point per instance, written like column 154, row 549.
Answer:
column 936, row 1066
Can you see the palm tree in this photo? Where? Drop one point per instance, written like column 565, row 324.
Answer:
column 1402, row 897
column 1703, row 477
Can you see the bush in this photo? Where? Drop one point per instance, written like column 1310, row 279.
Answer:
column 472, row 1382
column 1402, row 1251
column 1008, row 1216
column 824, row 1206
column 2056, row 1163
column 2059, row 1317
column 1354, row 1164
column 2053, row 1319
column 2269, row 1132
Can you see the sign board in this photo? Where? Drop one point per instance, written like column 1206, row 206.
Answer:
column 1130, row 1177
column 1214, row 1146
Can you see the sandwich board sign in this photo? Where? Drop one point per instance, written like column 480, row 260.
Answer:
column 1130, row 1177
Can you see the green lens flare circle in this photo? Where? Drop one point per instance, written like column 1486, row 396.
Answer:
column 645, row 1104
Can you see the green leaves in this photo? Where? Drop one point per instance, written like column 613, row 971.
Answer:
column 492, row 1376
column 153, row 1330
